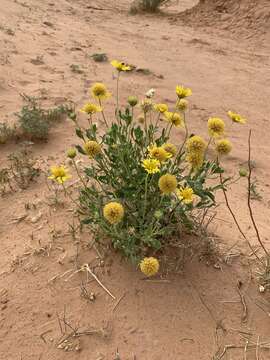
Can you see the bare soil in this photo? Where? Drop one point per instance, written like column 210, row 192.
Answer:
column 203, row 311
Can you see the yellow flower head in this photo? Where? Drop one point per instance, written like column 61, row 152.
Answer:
column 216, row 127
column 170, row 148
column 149, row 266
column 113, row 212
column 223, row 147
column 167, row 183
column 182, row 92
column 152, row 166
column 195, row 159
column 236, row 118
column 159, row 153
column 185, row 194
column 161, row 108
column 92, row 148
column 174, row 118
column 182, row 104
column 120, row 66
column 196, row 144
column 100, row 91
column 91, row 109
column 59, row 174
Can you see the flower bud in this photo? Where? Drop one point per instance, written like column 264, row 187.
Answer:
column 132, row 100
column 71, row 153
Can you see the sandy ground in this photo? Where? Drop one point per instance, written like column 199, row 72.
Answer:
column 182, row 315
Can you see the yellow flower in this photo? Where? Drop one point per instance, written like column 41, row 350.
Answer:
column 196, row 144
column 152, row 166
column 195, row 159
column 170, row 148
column 100, row 91
column 182, row 104
column 92, row 148
column 149, row 266
column 113, row 212
column 236, row 118
column 158, row 153
column 183, row 92
column 59, row 174
column 185, row 194
column 167, row 183
column 120, row 66
column 223, row 147
column 91, row 109
column 161, row 108
column 174, row 118
column 216, row 127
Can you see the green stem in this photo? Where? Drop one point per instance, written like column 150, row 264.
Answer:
column 68, row 194
column 145, row 196
column 117, row 96
column 102, row 112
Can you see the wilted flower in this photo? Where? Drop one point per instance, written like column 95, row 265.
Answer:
column 92, row 148
column 146, row 105
column 150, row 93
column 182, row 104
column 174, row 118
column 170, row 148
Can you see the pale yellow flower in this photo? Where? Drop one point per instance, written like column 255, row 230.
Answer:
column 216, row 127
column 149, row 266
column 99, row 91
column 223, row 147
column 113, row 212
column 167, row 183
